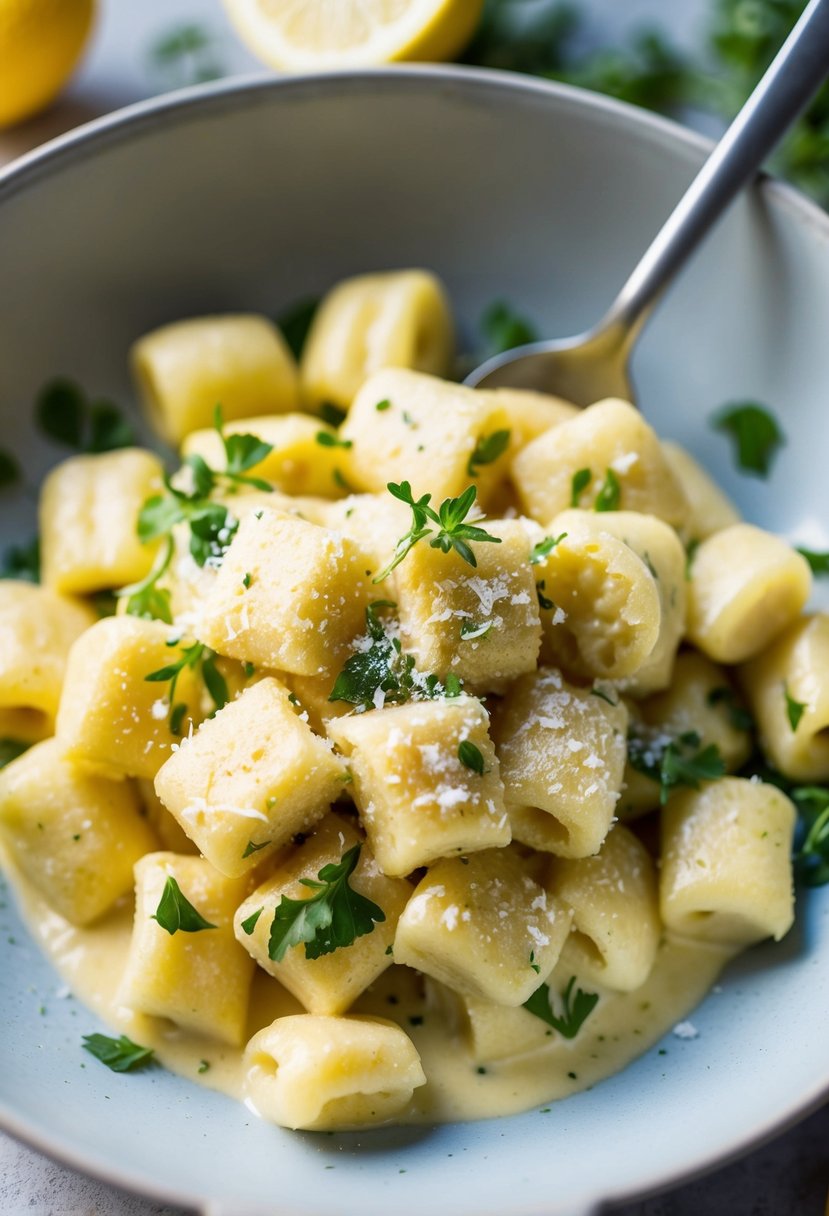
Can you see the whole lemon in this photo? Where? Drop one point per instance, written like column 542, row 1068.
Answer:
column 40, row 43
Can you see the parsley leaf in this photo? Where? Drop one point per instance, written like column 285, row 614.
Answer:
column 175, row 912
column 453, row 532
column 9, row 469
column 818, row 561
column 575, row 1008
column 470, row 756
column 812, row 858
column 146, row 599
column 794, row 709
column 487, row 450
column 10, row 749
column 334, row 916
column 249, row 924
column 121, row 1054
column 326, row 440
column 504, row 329
column 756, row 435
column 544, row 547
column 680, row 761
column 22, row 561
column 609, row 494
column 198, row 658
column 295, row 323
column 581, row 480
column 64, row 413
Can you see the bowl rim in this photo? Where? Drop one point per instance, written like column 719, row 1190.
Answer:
column 120, row 127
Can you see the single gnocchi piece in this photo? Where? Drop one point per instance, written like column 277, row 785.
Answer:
column 710, row 508
column 499, row 1032
column 562, row 752
column 788, row 690
column 611, row 446
column 658, row 546
column 172, row 837
column 289, row 595
column 37, row 630
column 479, row 623
column 726, row 873
column 75, row 836
column 198, row 980
column 88, row 511
column 331, row 983
column 426, row 781
column 25, row 726
column 747, row 586
column 239, row 361
column 112, row 718
column 249, row 779
column 530, row 414
column 483, row 926
column 616, row 926
column 373, row 521
column 400, row 318
column 327, row 1073
column 601, row 613
column 427, row 435
column 306, row 456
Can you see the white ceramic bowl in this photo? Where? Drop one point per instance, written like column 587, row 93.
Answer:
column 249, row 196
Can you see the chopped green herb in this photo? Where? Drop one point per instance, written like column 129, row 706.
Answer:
column 326, row 440
column 249, row 669
column 64, row 413
column 175, row 912
column 383, row 405
column 610, row 493
column 9, row 469
column 739, row 718
column 595, row 691
column 679, row 761
column 246, row 580
column 339, row 480
column 756, row 434
column 575, row 1008
column 544, row 601
column 332, row 414
column 470, row 630
column 811, row 859
column 293, row 698
column 581, row 480
column 121, row 1054
column 10, row 749
column 249, row 924
column 470, row 756
column 533, row 964
column 22, row 562
column 389, row 950
column 794, row 709
column 818, row 561
column 204, row 1065
column 333, row 917
column 545, row 547
column 295, row 323
column 251, row 848
column 690, row 554
column 453, row 532
column 409, row 420
column 487, row 450
column 197, row 658
column 185, row 55
column 504, row 329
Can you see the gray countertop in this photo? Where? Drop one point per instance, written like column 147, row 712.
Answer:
column 788, row 1177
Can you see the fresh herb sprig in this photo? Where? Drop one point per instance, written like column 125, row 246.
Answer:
column 120, row 1055
column 176, row 914
column 575, row 1008
column 487, row 450
column 756, row 435
column 65, row 414
column 333, row 917
column 453, row 532
column 811, row 859
column 198, row 658
column 681, row 761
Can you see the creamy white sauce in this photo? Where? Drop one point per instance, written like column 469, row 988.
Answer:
column 623, row 1025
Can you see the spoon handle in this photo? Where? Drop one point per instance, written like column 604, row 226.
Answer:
column 784, row 91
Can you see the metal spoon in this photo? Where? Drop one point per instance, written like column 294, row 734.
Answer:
column 594, row 364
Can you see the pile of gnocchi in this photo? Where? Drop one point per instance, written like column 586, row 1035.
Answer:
column 402, row 678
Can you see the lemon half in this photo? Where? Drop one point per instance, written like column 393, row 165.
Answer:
column 314, row 35
column 40, row 43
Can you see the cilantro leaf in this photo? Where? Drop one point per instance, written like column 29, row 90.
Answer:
column 22, row 561
column 488, row 448
column 470, row 756
column 10, row 749
column 756, row 434
column 9, row 469
column 333, row 917
column 581, row 480
column 295, row 323
column 818, row 561
column 609, row 494
column 504, row 329
column 575, row 1008
column 121, row 1054
column 680, row 761
column 794, row 709
column 175, row 912
column 545, row 547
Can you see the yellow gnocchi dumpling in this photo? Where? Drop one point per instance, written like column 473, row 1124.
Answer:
column 710, row 510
